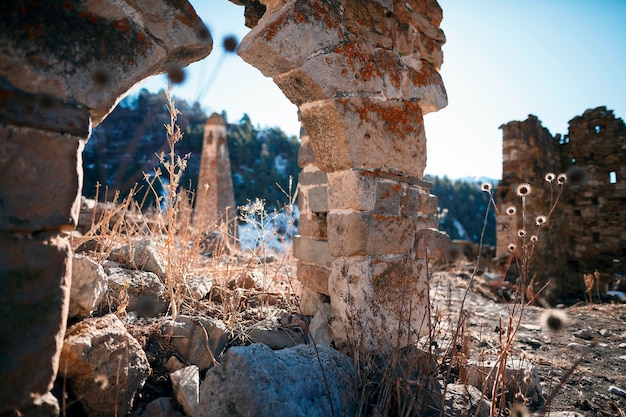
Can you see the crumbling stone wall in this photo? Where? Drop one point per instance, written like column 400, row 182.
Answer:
column 363, row 74
column 64, row 65
column 215, row 199
column 586, row 232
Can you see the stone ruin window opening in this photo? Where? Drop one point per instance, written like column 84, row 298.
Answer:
column 612, row 177
column 597, row 128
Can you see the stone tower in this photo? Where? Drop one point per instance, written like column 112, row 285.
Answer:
column 215, row 201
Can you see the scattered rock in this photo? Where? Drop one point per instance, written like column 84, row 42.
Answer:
column 310, row 301
column 199, row 340
column 464, row 400
column 617, row 391
column 89, row 284
column 141, row 255
column 104, row 365
column 520, row 377
column 586, row 334
column 161, row 407
column 186, row 385
column 142, row 291
column 622, row 345
column 199, row 287
column 256, row 381
column 173, row 364
column 251, row 280
column 576, row 346
column 276, row 338
column 604, row 332
column 319, row 329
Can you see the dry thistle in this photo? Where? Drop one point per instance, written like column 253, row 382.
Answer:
column 553, row 320
column 523, row 190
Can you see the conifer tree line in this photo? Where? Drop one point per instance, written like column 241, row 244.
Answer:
column 123, row 149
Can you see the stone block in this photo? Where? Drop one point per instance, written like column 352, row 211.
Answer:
column 314, row 277
column 318, row 199
column 431, row 244
column 306, row 156
column 313, row 225
column 410, row 204
column 300, row 88
column 40, row 111
column 378, row 304
column 312, row 178
column 428, row 204
column 312, row 26
column 41, row 180
column 352, row 190
column 358, row 233
column 312, row 251
column 34, row 292
column 357, row 132
column 389, row 195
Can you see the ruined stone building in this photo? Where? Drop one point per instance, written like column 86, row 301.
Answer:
column 587, row 230
column 215, row 199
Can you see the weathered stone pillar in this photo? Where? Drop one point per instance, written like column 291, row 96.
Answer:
column 216, row 195
column 363, row 74
column 63, row 65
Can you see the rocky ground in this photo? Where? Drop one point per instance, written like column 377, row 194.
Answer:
column 121, row 335
column 583, row 365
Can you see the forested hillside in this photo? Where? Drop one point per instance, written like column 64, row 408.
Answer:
column 126, row 145
column 462, row 207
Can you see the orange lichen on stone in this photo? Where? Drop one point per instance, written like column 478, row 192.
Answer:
column 121, row 24
column 397, row 120
column 358, row 61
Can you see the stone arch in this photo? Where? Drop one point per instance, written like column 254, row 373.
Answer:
column 362, row 75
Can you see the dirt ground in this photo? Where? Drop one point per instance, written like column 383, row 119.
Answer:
column 581, row 365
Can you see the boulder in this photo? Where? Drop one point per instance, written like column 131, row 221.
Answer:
column 199, row 340
column 143, row 291
column 257, row 381
column 89, row 284
column 104, row 365
column 141, row 255
column 186, row 385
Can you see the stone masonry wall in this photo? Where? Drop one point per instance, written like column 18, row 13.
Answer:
column 362, row 74
column 586, row 231
column 64, row 65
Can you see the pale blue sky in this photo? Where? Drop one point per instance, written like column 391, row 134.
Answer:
column 503, row 60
